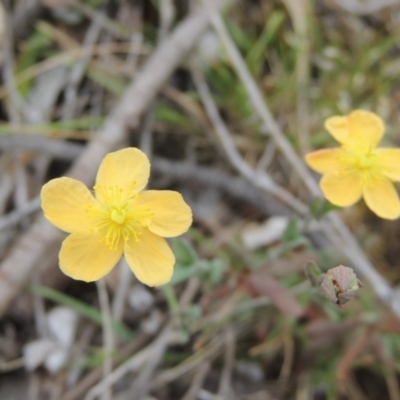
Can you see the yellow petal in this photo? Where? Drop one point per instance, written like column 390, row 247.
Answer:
column 342, row 188
column 389, row 161
column 127, row 169
column 338, row 127
column 85, row 258
column 170, row 215
column 360, row 131
column 150, row 258
column 381, row 197
column 325, row 161
column 65, row 202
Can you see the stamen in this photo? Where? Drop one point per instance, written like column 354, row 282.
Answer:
column 118, row 216
column 112, row 235
column 114, row 218
column 366, row 161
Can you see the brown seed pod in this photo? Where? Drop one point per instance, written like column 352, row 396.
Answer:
column 340, row 285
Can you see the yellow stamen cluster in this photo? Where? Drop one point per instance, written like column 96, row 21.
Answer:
column 117, row 219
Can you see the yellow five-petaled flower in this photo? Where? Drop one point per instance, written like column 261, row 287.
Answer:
column 119, row 219
column 359, row 168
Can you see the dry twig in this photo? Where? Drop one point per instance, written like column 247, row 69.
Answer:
column 261, row 179
column 153, row 350
column 197, row 382
column 362, row 7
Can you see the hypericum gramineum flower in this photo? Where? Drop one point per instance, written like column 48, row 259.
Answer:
column 358, row 168
column 118, row 219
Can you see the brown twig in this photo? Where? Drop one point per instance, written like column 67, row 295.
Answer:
column 95, row 375
column 225, row 384
column 197, row 382
column 347, row 360
column 365, row 7
column 25, row 16
column 55, row 148
column 78, row 70
column 176, row 170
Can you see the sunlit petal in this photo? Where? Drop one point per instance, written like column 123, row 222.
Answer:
column 127, row 169
column 381, row 197
column 366, row 129
column 360, row 131
column 164, row 212
column 85, row 258
column 338, row 127
column 342, row 188
column 325, row 160
column 389, row 161
column 65, row 203
column 150, row 258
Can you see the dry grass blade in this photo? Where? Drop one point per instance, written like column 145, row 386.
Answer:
column 261, row 180
column 225, row 384
column 153, row 351
column 257, row 100
column 209, row 353
column 197, row 382
column 298, row 10
column 79, row 68
column 365, row 7
column 132, row 365
column 95, row 375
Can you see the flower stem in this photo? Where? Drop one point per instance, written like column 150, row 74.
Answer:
column 108, row 337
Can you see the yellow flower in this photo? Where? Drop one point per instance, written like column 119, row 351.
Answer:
column 358, row 168
column 118, row 219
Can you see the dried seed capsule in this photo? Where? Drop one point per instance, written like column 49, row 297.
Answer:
column 340, row 285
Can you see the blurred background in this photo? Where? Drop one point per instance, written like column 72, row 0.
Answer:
column 225, row 98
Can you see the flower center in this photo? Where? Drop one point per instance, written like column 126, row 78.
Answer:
column 365, row 161
column 116, row 219
column 118, row 215
column 369, row 167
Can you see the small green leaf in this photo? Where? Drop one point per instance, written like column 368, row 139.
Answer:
column 292, row 231
column 166, row 113
column 109, row 82
column 313, row 273
column 184, row 252
column 319, row 207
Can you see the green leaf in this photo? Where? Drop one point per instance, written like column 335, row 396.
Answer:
column 216, row 268
column 292, row 231
column 166, row 113
column 38, row 45
column 313, row 273
column 111, row 83
column 319, row 207
column 182, row 274
column 257, row 53
column 184, row 252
